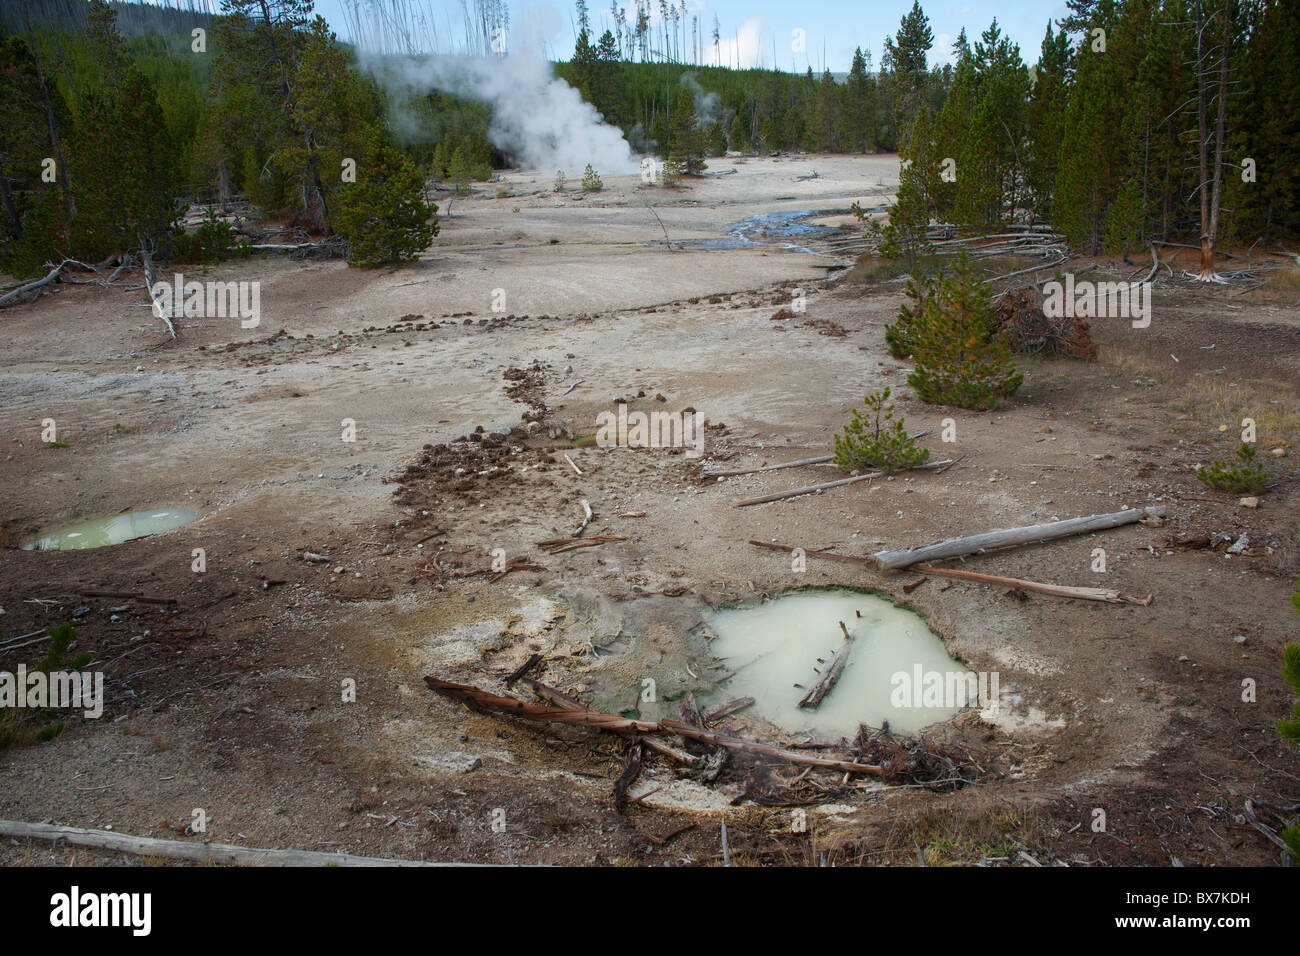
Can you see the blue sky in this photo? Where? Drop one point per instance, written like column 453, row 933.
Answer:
column 832, row 28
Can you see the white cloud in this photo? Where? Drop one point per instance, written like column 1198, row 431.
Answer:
column 745, row 49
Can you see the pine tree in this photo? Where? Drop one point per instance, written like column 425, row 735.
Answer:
column 383, row 215
column 959, row 361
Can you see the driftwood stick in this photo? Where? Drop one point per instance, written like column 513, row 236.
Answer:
column 1059, row 590
column 831, row 673
column 486, row 701
column 149, row 283
column 818, row 460
column 34, row 285
column 198, row 852
column 1013, row 537
column 586, row 507
column 729, row 708
column 766, row 750
column 813, row 554
column 522, row 565
column 561, row 699
column 480, row 699
column 777, row 496
column 628, row 776
column 524, row 668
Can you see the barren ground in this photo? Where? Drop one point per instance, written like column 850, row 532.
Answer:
column 230, row 699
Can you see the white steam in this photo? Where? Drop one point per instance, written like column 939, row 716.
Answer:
column 537, row 119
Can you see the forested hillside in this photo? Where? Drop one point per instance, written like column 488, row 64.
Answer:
column 1136, row 119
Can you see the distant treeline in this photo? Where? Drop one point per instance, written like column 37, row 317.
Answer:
column 1130, row 125
column 1100, row 137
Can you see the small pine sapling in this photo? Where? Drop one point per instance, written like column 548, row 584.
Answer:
column 877, row 440
column 1244, row 478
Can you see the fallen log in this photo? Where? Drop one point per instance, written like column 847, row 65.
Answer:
column 1012, row 537
column 34, row 286
column 483, row 700
column 826, row 680
column 766, row 750
column 196, row 852
column 479, row 699
column 729, row 708
column 1058, row 590
column 777, row 496
column 561, row 699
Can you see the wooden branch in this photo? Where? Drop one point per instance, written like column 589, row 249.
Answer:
column 34, row 285
column 1013, row 537
column 586, row 507
column 777, row 496
column 830, row 674
column 524, row 668
column 578, row 471
column 158, row 310
column 197, row 852
column 479, row 699
column 561, row 699
column 819, row 460
column 559, row 545
column 628, row 776
column 521, row 565
column 814, row 554
column 766, row 750
column 729, row 708
column 1058, row 590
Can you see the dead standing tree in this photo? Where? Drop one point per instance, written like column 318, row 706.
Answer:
column 1211, row 90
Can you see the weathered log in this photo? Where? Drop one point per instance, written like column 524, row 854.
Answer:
column 729, row 708
column 197, row 852
column 561, row 699
column 766, row 750
column 1013, row 537
column 830, row 674
column 34, row 285
column 1058, row 590
column 480, row 699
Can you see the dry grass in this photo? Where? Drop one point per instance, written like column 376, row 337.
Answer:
column 985, row 829
column 1218, row 400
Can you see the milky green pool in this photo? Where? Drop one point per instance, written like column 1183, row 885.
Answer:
column 775, row 645
column 99, row 532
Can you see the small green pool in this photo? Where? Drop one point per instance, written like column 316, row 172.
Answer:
column 100, row 532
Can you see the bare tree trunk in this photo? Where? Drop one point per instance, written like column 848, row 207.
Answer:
column 11, row 210
column 1211, row 186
